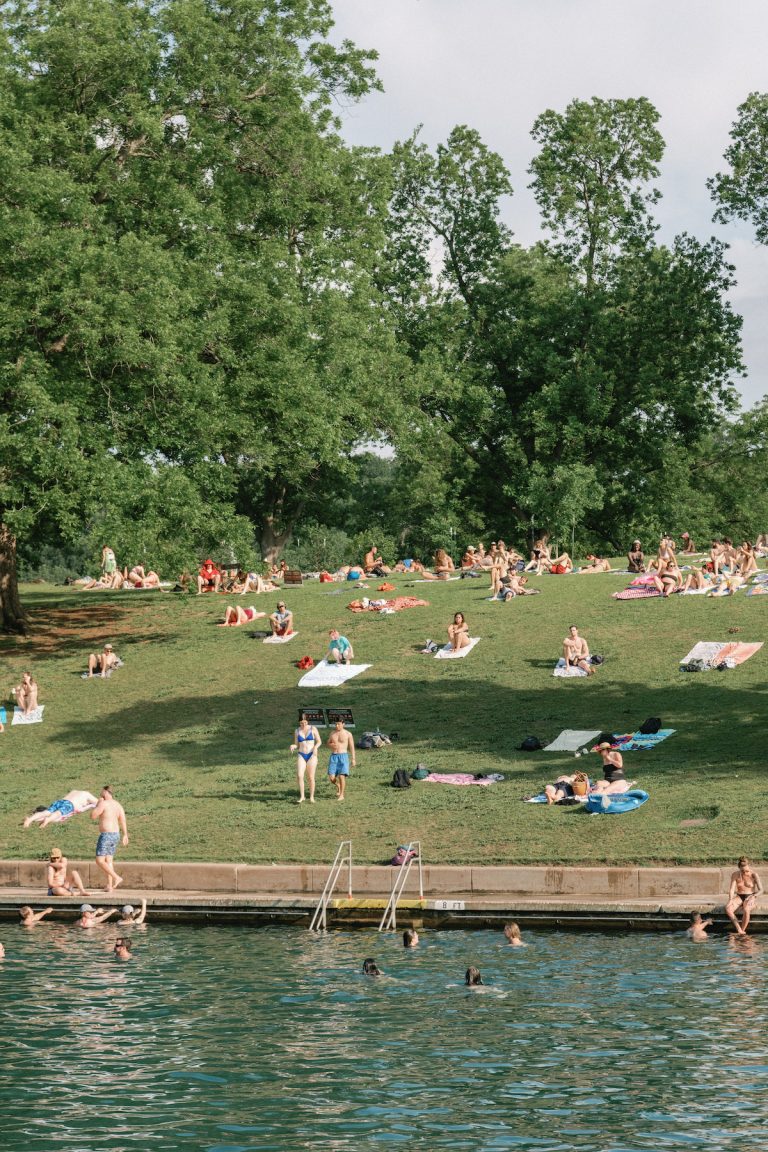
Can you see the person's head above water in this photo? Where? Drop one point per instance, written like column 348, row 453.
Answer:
column 472, row 977
column 371, row 968
column 410, row 938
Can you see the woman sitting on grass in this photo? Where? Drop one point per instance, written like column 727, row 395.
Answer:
column 697, row 579
column 540, row 556
column 669, row 578
column 458, row 632
column 26, row 694
column 745, row 560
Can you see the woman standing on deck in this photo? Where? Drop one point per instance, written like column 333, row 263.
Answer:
column 306, row 746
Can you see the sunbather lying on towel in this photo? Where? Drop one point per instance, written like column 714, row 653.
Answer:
column 560, row 565
column 595, row 565
column 235, row 616
column 138, row 578
column 562, row 789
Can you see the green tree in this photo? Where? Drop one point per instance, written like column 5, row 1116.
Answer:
column 743, row 191
column 187, row 248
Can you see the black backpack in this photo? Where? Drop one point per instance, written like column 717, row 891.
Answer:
column 400, row 779
column 650, row 727
column 530, row 744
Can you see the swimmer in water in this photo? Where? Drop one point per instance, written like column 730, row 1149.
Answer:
column 371, row 968
column 129, row 916
column 29, row 917
column 472, row 977
column 123, row 948
column 512, row 933
column 697, row 931
column 410, row 938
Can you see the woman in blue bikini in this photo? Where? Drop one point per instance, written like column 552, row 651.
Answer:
column 306, row 746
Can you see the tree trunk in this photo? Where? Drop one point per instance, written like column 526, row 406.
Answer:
column 12, row 615
column 272, row 541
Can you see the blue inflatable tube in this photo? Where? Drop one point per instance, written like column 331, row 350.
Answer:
column 613, row 805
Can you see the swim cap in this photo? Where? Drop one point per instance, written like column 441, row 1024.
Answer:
column 127, row 909
column 87, row 908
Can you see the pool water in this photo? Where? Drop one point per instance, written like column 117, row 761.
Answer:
column 230, row 1039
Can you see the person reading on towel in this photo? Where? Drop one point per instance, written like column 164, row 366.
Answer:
column 636, row 557
column 576, row 651
column 339, row 648
column 281, row 620
column 458, row 632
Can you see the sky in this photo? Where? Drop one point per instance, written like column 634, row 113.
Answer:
column 495, row 65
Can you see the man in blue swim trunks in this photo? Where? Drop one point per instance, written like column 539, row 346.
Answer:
column 341, row 745
column 73, row 803
column 112, row 823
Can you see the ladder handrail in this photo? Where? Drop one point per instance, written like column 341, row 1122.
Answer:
column 319, row 918
column 389, row 919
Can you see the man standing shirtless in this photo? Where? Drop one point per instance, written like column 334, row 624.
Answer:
column 745, row 888
column 576, row 651
column 341, row 745
column 112, row 823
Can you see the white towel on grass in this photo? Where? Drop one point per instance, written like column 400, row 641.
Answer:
column 279, row 639
column 447, row 653
column 35, row 717
column 571, row 739
column 567, row 670
column 327, row 675
column 705, row 650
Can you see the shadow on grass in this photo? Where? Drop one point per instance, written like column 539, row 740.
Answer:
column 82, row 626
column 717, row 726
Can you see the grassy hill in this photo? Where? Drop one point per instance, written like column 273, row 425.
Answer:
column 193, row 732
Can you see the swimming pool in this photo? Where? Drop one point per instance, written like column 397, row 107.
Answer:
column 230, row 1039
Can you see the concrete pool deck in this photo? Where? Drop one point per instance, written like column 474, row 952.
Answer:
column 650, row 899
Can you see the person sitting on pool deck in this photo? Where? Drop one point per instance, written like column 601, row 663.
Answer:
column 744, row 890
column 339, row 648
column 62, row 882
column 341, row 745
column 576, row 651
column 208, row 578
column 281, row 620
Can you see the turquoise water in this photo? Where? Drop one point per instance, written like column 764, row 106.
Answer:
column 227, row 1040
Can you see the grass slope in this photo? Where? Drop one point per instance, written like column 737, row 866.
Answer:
column 193, row 733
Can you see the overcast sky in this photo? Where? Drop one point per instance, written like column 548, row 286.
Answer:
column 496, row 64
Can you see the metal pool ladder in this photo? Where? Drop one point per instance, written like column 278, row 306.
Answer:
column 343, row 857
column 389, row 919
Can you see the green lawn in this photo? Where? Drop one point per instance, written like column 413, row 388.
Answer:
column 193, row 733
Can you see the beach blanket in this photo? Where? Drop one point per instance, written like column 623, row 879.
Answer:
column 736, row 653
column 571, row 739
column 566, row 671
column 447, row 652
column 327, row 675
column 697, row 591
column 35, row 717
column 462, row 778
column 637, row 741
column 387, row 606
column 447, row 579
column 705, row 651
column 760, row 589
column 643, row 592
column 279, row 639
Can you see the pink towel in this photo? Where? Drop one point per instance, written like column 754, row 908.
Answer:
column 456, row 778
column 636, row 593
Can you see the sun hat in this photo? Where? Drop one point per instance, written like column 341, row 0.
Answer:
column 87, row 908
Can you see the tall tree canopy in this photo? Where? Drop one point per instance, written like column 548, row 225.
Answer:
column 188, row 249
column 743, row 191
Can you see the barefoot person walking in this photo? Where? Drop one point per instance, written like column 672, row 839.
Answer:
column 111, row 818
column 306, row 745
column 341, row 745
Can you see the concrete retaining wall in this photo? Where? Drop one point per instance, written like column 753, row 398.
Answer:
column 439, row 880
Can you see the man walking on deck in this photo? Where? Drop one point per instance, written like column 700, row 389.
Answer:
column 111, row 818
